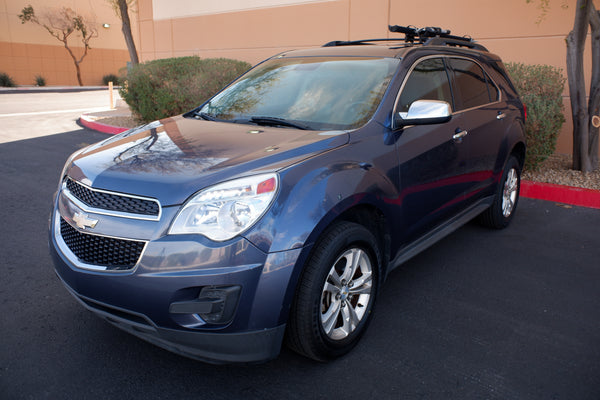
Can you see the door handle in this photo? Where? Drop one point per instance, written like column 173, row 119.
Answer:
column 459, row 135
column 500, row 115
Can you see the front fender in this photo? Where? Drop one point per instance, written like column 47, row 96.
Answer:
column 309, row 201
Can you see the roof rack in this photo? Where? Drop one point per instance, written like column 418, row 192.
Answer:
column 428, row 36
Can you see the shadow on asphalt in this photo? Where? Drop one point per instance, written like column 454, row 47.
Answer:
column 512, row 314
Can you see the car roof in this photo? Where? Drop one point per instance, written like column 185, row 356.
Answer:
column 389, row 51
column 394, row 49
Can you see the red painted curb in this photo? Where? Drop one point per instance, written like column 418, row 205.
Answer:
column 561, row 194
column 97, row 126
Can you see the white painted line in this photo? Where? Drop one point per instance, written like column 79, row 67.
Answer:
column 57, row 112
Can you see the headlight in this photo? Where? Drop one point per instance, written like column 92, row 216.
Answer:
column 225, row 210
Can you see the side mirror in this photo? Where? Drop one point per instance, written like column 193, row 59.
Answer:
column 425, row 112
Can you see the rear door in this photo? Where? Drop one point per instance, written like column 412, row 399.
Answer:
column 479, row 107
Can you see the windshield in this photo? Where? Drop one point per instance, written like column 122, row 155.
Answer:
column 314, row 92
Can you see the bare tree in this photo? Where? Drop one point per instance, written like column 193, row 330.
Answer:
column 61, row 23
column 121, row 8
column 585, row 125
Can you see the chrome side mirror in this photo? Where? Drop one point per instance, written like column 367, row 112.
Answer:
column 425, row 112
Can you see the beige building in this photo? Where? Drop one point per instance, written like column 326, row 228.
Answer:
column 27, row 50
column 252, row 30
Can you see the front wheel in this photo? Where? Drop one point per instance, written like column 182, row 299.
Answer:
column 503, row 208
column 336, row 294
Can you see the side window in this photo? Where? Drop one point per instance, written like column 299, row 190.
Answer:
column 427, row 81
column 473, row 86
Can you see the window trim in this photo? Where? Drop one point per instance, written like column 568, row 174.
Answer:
column 451, row 81
column 488, row 79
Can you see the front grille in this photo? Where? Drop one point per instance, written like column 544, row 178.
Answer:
column 114, row 254
column 112, row 201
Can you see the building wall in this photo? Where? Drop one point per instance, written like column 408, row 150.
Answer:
column 252, row 30
column 27, row 50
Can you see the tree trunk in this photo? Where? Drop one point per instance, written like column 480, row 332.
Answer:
column 74, row 62
column 579, row 109
column 126, row 28
column 594, row 102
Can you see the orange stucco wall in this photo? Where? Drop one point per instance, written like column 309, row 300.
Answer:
column 23, row 61
column 255, row 31
column 27, row 50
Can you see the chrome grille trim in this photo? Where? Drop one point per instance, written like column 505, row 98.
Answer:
column 72, row 258
column 103, row 211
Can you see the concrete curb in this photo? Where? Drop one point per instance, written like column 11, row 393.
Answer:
column 89, row 122
column 561, row 194
column 51, row 89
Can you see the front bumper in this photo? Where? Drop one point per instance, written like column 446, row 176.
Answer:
column 175, row 270
column 214, row 348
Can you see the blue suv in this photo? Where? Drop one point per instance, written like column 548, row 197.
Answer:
column 274, row 211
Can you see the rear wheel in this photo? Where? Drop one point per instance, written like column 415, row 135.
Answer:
column 336, row 294
column 505, row 202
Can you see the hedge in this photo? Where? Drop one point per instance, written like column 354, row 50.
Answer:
column 166, row 87
column 540, row 88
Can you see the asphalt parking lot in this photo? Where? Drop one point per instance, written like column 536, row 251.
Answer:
column 512, row 314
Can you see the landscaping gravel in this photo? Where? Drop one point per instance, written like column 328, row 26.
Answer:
column 557, row 169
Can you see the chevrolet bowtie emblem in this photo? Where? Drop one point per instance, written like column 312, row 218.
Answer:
column 83, row 221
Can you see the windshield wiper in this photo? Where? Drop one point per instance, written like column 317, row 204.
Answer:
column 206, row 116
column 274, row 121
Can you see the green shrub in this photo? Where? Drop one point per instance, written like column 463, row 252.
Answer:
column 171, row 86
column 40, row 80
column 540, row 88
column 110, row 78
column 6, row 80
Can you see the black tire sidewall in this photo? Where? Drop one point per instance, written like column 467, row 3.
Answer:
column 353, row 236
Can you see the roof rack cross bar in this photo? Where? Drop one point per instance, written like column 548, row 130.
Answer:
column 427, row 36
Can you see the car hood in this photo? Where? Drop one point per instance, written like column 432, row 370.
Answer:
column 175, row 157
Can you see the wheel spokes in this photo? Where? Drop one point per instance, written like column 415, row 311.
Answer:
column 346, row 293
column 509, row 192
column 330, row 317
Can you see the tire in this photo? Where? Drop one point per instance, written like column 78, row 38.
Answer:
column 335, row 297
column 502, row 210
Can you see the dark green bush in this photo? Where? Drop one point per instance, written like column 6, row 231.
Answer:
column 540, row 88
column 6, row 80
column 171, row 86
column 110, row 78
column 40, row 80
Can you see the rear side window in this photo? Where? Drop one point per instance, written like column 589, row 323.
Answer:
column 474, row 87
column 427, row 81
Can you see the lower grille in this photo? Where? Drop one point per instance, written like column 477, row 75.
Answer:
column 114, row 254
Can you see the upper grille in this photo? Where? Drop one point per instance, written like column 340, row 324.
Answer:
column 114, row 254
column 112, row 201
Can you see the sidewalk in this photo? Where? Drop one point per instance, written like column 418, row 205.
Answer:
column 535, row 190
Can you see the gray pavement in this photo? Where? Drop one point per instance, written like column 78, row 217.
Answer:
column 512, row 314
column 25, row 115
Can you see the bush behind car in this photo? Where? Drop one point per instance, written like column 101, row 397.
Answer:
column 166, row 87
column 541, row 88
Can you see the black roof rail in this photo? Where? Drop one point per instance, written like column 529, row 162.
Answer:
column 428, row 36
column 356, row 42
column 439, row 41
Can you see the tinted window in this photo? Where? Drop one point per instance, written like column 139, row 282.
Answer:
column 428, row 81
column 471, row 83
